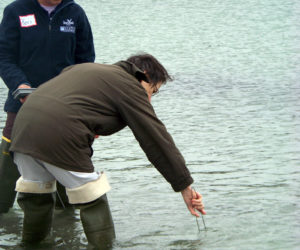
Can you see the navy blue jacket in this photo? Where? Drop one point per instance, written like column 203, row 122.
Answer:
column 35, row 47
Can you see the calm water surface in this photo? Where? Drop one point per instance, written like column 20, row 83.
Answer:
column 233, row 111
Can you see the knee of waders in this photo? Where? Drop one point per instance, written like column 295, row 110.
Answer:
column 89, row 192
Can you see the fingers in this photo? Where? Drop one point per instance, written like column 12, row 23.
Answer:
column 193, row 212
column 197, row 202
column 202, row 211
column 24, row 86
column 196, row 195
column 193, row 201
column 22, row 100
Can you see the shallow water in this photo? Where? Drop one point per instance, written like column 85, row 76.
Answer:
column 233, row 111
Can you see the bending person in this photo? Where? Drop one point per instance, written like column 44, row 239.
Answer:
column 54, row 131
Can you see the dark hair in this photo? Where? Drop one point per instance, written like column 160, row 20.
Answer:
column 153, row 69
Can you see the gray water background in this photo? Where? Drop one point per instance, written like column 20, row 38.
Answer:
column 233, row 111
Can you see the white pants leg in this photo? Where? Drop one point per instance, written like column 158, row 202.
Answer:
column 39, row 176
column 36, row 170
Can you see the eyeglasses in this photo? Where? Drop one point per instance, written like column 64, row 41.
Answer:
column 155, row 90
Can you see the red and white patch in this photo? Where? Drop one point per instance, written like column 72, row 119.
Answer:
column 27, row 21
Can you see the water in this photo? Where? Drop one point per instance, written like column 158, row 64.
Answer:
column 233, row 111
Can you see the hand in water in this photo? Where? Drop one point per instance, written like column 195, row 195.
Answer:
column 193, row 201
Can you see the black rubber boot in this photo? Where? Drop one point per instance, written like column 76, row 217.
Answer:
column 98, row 224
column 38, row 214
column 9, row 174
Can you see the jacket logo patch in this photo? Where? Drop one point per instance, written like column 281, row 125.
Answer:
column 27, row 21
column 68, row 26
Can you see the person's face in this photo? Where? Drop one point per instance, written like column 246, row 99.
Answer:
column 151, row 90
column 50, row 2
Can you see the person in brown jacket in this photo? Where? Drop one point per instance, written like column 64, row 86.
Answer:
column 55, row 129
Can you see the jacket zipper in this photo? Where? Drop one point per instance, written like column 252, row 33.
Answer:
column 51, row 19
column 58, row 12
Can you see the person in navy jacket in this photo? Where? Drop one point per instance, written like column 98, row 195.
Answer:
column 38, row 39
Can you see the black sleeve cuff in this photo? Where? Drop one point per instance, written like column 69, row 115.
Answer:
column 179, row 186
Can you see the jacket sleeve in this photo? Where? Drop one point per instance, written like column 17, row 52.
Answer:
column 154, row 139
column 85, row 51
column 10, row 72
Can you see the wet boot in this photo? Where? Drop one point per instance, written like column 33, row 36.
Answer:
column 9, row 174
column 38, row 213
column 98, row 224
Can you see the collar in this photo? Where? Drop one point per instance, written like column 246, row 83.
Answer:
column 61, row 5
column 131, row 69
